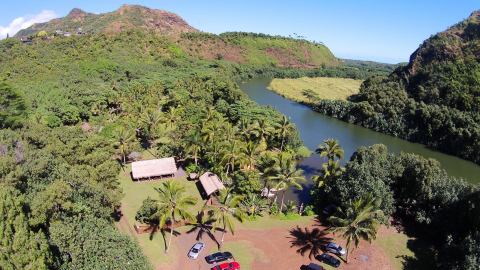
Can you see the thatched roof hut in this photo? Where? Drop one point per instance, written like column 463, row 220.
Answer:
column 164, row 167
column 211, row 183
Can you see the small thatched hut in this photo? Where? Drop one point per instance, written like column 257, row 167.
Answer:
column 147, row 169
column 211, row 183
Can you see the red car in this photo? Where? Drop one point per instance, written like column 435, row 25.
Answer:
column 227, row 266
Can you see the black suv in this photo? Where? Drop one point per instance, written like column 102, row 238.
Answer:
column 328, row 259
column 218, row 257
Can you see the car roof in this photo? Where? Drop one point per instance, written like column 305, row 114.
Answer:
column 197, row 245
column 315, row 266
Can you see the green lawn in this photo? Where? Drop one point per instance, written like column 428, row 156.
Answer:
column 134, row 194
column 395, row 246
column 325, row 88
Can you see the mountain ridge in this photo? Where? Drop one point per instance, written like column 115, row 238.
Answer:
column 127, row 17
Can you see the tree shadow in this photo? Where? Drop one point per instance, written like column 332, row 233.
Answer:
column 308, row 240
column 423, row 256
column 203, row 226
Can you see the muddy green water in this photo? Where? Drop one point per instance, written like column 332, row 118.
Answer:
column 315, row 127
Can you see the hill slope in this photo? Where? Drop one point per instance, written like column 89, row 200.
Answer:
column 434, row 100
column 244, row 48
column 127, row 17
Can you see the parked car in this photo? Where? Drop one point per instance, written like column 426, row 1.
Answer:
column 227, row 266
column 335, row 249
column 195, row 250
column 311, row 266
column 328, row 259
column 218, row 257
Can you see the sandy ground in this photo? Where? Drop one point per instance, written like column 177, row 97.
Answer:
column 273, row 251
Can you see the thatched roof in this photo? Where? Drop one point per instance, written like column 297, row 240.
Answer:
column 153, row 168
column 211, row 183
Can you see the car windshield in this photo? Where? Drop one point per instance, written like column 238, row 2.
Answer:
column 194, row 250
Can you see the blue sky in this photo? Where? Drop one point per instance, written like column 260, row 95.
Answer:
column 387, row 31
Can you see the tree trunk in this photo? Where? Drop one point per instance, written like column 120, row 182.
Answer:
column 169, row 240
column 196, row 160
column 283, row 198
column 346, row 255
column 281, row 146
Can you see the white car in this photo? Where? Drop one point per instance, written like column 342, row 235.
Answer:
column 335, row 249
column 195, row 250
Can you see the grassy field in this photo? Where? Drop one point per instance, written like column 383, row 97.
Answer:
column 323, row 87
column 135, row 193
column 395, row 246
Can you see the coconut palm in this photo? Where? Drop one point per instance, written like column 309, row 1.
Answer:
column 261, row 129
column 249, row 156
column 226, row 211
column 173, row 204
column 329, row 171
column 284, row 128
column 231, row 155
column 194, row 147
column 358, row 221
column 286, row 174
column 150, row 119
column 330, row 149
column 123, row 138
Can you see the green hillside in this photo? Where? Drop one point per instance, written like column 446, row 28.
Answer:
column 434, row 100
column 244, row 48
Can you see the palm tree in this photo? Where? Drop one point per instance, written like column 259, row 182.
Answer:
column 173, row 116
column 261, row 129
column 330, row 170
column 172, row 204
column 330, row 149
column 150, row 118
column 194, row 146
column 358, row 221
column 123, row 137
column 231, row 156
column 226, row 211
column 250, row 154
column 286, row 174
column 284, row 127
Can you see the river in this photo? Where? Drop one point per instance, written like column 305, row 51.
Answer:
column 315, row 127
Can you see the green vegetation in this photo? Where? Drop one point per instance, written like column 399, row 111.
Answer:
column 310, row 90
column 434, row 100
column 417, row 193
column 358, row 221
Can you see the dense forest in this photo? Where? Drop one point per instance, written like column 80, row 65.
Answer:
column 434, row 100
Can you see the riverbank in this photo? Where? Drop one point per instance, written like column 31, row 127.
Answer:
column 314, row 127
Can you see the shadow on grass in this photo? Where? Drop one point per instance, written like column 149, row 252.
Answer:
column 309, row 241
column 423, row 256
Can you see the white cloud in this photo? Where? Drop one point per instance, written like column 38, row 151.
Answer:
column 26, row 21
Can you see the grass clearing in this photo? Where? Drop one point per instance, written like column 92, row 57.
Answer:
column 396, row 248
column 134, row 194
column 323, row 87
